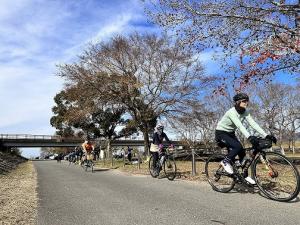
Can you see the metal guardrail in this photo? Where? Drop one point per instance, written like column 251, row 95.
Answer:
column 58, row 137
column 29, row 136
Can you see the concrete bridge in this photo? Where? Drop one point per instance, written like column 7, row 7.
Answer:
column 29, row 140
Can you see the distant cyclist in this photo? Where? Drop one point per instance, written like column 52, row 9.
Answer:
column 72, row 157
column 157, row 146
column 87, row 148
column 225, row 132
column 79, row 153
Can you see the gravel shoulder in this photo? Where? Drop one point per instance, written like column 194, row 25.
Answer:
column 18, row 199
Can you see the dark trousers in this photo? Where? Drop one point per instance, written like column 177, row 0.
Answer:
column 155, row 158
column 129, row 156
column 230, row 141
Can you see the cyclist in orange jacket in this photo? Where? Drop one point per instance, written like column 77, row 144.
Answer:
column 87, row 147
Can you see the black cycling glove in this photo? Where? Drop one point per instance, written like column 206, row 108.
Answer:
column 272, row 138
column 254, row 141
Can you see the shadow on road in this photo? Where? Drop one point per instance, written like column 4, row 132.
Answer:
column 242, row 189
column 101, row 169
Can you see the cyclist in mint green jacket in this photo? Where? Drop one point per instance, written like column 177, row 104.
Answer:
column 225, row 132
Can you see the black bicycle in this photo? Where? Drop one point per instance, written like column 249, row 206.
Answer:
column 88, row 163
column 166, row 162
column 72, row 159
column 275, row 175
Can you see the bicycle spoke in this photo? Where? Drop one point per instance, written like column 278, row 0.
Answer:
column 217, row 177
column 277, row 177
column 170, row 168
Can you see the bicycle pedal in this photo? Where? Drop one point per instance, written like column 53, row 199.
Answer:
column 217, row 179
column 238, row 181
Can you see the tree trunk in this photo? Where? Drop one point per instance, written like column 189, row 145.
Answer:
column 282, row 151
column 146, row 142
column 293, row 149
column 108, row 148
column 293, row 146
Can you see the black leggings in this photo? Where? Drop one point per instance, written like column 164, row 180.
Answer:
column 155, row 158
column 129, row 157
column 230, row 141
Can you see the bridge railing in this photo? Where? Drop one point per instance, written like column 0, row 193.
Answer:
column 29, row 136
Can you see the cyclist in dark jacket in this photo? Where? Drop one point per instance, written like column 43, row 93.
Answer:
column 156, row 145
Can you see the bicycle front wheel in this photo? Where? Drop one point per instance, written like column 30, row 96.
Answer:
column 216, row 176
column 152, row 167
column 86, row 166
column 89, row 165
column 276, row 176
column 170, row 168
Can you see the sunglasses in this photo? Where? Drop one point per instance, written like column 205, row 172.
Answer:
column 245, row 101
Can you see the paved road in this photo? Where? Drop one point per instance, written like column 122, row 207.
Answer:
column 68, row 195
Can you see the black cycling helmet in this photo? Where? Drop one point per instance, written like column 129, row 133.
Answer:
column 240, row 96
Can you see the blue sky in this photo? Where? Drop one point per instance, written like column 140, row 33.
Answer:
column 35, row 36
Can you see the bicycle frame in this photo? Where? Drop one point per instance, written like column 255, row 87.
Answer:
column 164, row 152
column 274, row 174
column 258, row 153
column 167, row 162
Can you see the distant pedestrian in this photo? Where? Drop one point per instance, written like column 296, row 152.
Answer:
column 129, row 153
column 59, row 157
column 78, row 152
column 97, row 153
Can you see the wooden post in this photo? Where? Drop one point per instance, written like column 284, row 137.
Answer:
column 193, row 163
column 139, row 160
column 124, row 160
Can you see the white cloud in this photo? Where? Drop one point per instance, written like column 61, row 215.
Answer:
column 9, row 8
column 27, row 97
column 117, row 26
column 35, row 36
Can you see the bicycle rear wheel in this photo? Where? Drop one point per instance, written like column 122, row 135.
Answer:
column 216, row 175
column 82, row 164
column 170, row 168
column 276, row 176
column 92, row 166
column 89, row 165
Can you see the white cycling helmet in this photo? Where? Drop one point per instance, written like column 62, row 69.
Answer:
column 159, row 126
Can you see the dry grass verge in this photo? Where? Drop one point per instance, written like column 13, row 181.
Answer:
column 18, row 199
column 184, row 169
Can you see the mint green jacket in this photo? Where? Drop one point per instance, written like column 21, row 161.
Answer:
column 232, row 120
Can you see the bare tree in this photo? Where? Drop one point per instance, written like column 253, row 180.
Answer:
column 150, row 76
column 278, row 109
column 199, row 123
column 263, row 34
column 293, row 116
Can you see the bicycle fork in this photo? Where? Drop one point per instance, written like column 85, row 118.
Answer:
column 271, row 171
